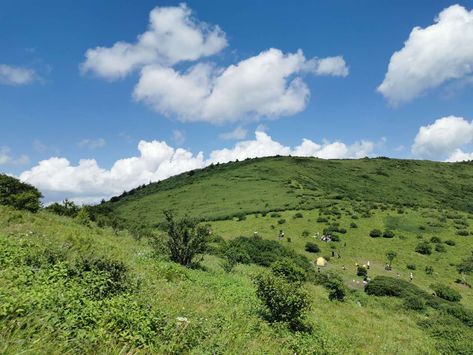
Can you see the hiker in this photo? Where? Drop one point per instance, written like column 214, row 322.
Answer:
column 411, row 276
column 368, row 265
column 281, row 234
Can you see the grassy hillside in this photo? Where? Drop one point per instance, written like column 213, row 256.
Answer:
column 57, row 298
column 68, row 285
column 282, row 183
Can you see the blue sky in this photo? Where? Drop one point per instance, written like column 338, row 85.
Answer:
column 50, row 107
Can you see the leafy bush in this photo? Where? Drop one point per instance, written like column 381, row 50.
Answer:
column 263, row 252
column 411, row 266
column 415, row 303
column 19, row 195
column 446, row 293
column 435, row 240
column 376, row 233
column 275, row 215
column 312, row 247
column 283, row 301
column 353, row 225
column 450, row 242
column 281, row 221
column 429, row 270
column 66, row 208
column 466, row 266
column 463, row 232
column 83, row 217
column 185, row 238
column 388, row 234
column 361, row 271
column 298, row 215
column 289, row 270
column 305, row 233
column 424, row 248
column 322, row 220
column 440, row 248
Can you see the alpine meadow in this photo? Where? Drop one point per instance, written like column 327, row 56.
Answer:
column 344, row 226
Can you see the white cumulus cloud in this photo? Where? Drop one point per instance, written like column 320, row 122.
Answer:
column 441, row 138
column 173, row 36
column 16, row 76
column 431, row 56
column 266, row 85
column 460, row 155
column 57, row 178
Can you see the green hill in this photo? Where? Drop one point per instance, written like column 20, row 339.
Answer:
column 72, row 285
column 288, row 183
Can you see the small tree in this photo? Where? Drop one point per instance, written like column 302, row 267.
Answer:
column 284, row 301
column 83, row 217
column 390, row 255
column 185, row 238
column 376, row 233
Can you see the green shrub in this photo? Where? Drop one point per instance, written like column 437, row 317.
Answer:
column 305, row 233
column 311, row 247
column 264, row 252
column 466, row 266
column 388, row 234
column 440, row 248
column 361, row 271
column 424, row 248
column 435, row 240
column 353, row 225
column 283, row 301
column 429, row 270
column 463, row 232
column 322, row 220
column 275, row 215
column 415, row 303
column 83, row 217
column 281, row 221
column 450, row 242
column 446, row 292
column 411, row 266
column 185, row 239
column 19, row 195
column 376, row 233
column 66, row 208
column 298, row 215
column 289, row 270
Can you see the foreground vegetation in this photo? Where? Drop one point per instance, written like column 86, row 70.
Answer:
column 397, row 277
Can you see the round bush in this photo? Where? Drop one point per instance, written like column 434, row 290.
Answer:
column 281, row 221
column 353, row 225
column 388, row 234
column 376, row 233
column 289, row 270
column 424, row 248
column 435, row 240
column 463, row 232
column 361, row 271
column 411, row 266
column 415, row 303
column 440, row 248
column 450, row 242
column 312, row 247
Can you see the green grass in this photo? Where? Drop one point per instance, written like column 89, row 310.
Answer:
column 50, row 303
column 281, row 183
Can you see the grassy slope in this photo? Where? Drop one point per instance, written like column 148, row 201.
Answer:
column 221, row 307
column 293, row 183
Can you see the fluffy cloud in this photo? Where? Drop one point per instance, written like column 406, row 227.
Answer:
column 439, row 139
column 92, row 143
column 16, row 76
column 7, row 159
column 268, row 84
column 431, row 56
column 459, row 155
column 57, row 178
column 238, row 133
column 173, row 36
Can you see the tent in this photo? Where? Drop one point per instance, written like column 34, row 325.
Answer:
column 321, row 261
